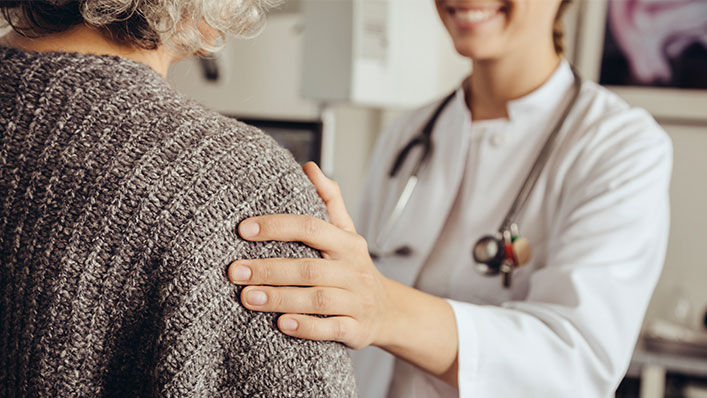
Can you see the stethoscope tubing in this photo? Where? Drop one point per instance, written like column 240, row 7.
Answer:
column 424, row 139
column 397, row 212
column 534, row 174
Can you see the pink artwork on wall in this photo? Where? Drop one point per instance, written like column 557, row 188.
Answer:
column 660, row 43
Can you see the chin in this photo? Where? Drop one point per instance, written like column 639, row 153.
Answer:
column 478, row 51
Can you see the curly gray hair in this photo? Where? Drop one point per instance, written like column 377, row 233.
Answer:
column 179, row 24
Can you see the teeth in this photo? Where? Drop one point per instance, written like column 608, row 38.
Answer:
column 474, row 15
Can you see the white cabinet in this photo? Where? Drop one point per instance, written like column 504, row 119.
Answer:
column 258, row 77
column 388, row 53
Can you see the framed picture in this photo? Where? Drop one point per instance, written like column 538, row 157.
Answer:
column 651, row 53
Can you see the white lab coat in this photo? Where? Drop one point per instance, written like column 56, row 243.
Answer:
column 597, row 220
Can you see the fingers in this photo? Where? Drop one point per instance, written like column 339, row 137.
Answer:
column 330, row 193
column 289, row 272
column 338, row 328
column 313, row 300
column 309, row 230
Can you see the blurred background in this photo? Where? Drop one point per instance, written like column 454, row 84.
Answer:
column 326, row 76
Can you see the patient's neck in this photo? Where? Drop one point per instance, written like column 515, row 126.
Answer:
column 84, row 39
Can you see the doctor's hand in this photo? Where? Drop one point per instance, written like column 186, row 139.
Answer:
column 363, row 306
column 344, row 284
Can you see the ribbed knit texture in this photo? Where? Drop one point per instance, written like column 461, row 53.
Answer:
column 119, row 203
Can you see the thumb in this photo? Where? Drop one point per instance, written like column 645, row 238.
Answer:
column 329, row 191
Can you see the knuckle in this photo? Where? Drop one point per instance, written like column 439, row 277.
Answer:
column 275, row 299
column 339, row 330
column 366, row 278
column 368, row 303
column 310, row 226
column 309, row 272
column 356, row 344
column 310, row 328
column 360, row 243
column 366, row 308
column 272, row 226
column 321, row 300
column 263, row 272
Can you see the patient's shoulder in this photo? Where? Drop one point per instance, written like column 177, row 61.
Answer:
column 230, row 172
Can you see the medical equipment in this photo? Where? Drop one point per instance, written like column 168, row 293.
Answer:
column 493, row 254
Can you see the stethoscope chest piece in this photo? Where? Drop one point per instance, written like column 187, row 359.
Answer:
column 501, row 253
column 488, row 253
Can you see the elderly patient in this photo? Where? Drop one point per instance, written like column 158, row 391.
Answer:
column 119, row 203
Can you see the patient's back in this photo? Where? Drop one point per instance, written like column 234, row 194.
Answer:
column 118, row 209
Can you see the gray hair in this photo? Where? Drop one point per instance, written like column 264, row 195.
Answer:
column 179, row 24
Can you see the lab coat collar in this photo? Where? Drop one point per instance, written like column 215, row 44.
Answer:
column 547, row 96
column 537, row 102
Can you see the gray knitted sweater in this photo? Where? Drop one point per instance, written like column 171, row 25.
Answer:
column 119, row 201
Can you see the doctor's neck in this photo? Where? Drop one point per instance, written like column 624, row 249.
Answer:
column 495, row 82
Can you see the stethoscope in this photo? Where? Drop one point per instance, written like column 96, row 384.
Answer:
column 500, row 253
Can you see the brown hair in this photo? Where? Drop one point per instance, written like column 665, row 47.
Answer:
column 37, row 18
column 558, row 29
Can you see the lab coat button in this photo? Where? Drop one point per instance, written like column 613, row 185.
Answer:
column 498, row 140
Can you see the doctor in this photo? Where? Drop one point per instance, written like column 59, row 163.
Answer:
column 596, row 220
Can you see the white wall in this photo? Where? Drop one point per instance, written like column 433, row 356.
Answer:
column 356, row 129
column 685, row 269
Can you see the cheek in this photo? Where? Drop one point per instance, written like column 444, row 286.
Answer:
column 539, row 19
column 528, row 27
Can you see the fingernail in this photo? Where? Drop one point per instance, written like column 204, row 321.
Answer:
column 249, row 229
column 240, row 273
column 288, row 324
column 256, row 297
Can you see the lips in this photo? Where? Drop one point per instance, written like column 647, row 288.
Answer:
column 469, row 16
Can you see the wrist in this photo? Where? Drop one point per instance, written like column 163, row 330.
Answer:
column 419, row 328
column 392, row 318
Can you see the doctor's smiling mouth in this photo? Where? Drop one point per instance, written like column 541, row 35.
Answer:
column 473, row 15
